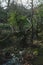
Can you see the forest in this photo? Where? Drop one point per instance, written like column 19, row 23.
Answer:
column 21, row 32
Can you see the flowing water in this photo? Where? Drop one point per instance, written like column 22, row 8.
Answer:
column 13, row 61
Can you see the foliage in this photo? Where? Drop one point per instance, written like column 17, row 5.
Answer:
column 17, row 20
column 2, row 15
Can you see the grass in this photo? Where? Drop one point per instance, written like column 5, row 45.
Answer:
column 39, row 59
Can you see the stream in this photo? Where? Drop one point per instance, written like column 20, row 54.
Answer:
column 15, row 60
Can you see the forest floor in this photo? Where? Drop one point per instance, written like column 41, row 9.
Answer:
column 38, row 60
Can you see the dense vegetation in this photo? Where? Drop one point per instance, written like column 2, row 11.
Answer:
column 16, row 32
